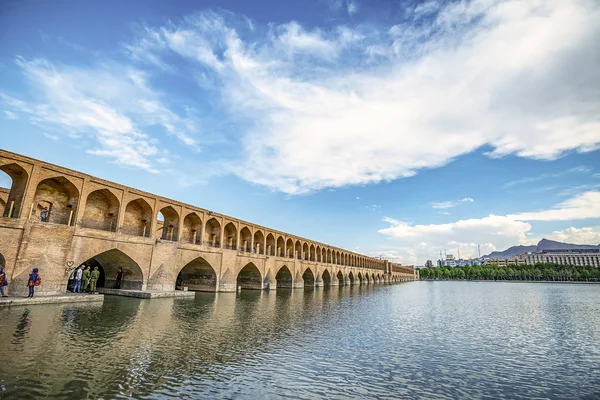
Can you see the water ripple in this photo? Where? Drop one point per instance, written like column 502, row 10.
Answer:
column 426, row 340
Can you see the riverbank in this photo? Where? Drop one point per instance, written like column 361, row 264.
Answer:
column 147, row 294
column 507, row 281
column 62, row 298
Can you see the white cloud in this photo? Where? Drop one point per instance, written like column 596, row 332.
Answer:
column 9, row 114
column 450, row 204
column 583, row 206
column 420, row 242
column 110, row 104
column 515, row 75
column 351, row 7
column 588, row 235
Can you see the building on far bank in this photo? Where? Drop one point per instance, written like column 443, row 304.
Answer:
column 579, row 257
column 505, row 262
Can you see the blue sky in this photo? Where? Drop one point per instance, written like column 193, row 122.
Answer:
column 394, row 128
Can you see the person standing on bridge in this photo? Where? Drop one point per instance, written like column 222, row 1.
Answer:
column 44, row 214
column 94, row 279
column 34, row 280
column 118, row 279
column 85, row 278
column 3, row 281
column 78, row 276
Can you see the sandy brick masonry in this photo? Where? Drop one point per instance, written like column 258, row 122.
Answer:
column 112, row 226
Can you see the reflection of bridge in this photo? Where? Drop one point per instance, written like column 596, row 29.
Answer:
column 109, row 225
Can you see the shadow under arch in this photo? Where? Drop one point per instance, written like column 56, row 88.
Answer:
column 326, row 276
column 250, row 277
column 284, row 278
column 108, row 264
column 197, row 275
column 309, row 278
column 340, row 278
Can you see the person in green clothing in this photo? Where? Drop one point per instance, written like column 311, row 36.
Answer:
column 94, row 279
column 85, row 278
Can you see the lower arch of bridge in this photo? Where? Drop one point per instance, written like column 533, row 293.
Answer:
column 340, row 278
column 197, row 275
column 250, row 278
column 326, row 276
column 309, row 278
column 108, row 264
column 351, row 277
column 360, row 278
column 284, row 278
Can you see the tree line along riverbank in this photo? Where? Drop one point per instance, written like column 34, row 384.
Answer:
column 538, row 272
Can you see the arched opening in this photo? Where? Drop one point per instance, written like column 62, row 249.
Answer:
column 13, row 204
column 170, row 223
column 351, row 277
column 326, row 276
column 284, row 278
column 318, row 257
column 245, row 239
column 250, row 278
column 328, row 256
column 280, row 247
column 192, row 229
column 305, row 252
column 197, row 275
column 289, row 248
column 101, row 211
column 373, row 279
column 309, row 278
column 213, row 233
column 258, row 241
column 360, row 278
column 340, row 278
column 379, row 279
column 56, row 198
column 338, row 258
column 230, row 236
column 108, row 264
column 270, row 250
column 2, row 261
column 298, row 250
column 138, row 215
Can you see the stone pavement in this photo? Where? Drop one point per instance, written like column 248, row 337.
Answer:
column 62, row 298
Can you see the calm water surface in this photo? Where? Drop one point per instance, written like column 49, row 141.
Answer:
column 421, row 340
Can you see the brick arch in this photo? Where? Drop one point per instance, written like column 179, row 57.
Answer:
column 168, row 229
column 192, row 229
column 101, row 210
column 308, row 277
column 284, row 277
column 59, row 196
column 110, row 261
column 250, row 277
column 271, row 245
column 197, row 275
column 19, row 178
column 138, row 218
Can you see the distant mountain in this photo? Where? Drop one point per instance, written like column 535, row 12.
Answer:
column 543, row 244
column 512, row 251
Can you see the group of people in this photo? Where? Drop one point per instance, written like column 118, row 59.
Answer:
column 84, row 278
column 81, row 279
column 34, row 280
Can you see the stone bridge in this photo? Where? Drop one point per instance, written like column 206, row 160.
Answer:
column 161, row 244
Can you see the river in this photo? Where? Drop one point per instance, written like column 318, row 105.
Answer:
column 420, row 340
